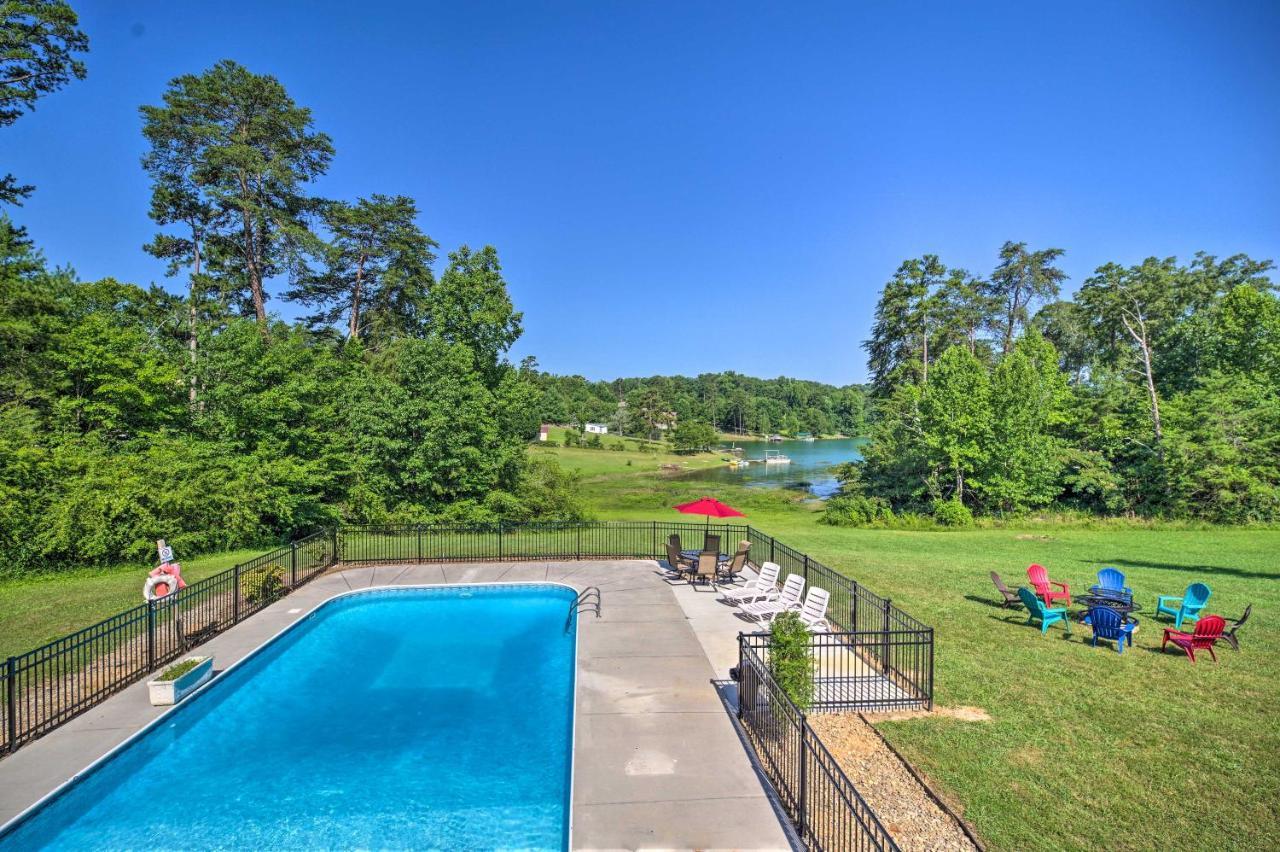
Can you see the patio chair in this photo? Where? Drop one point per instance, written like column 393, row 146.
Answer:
column 674, row 539
column 1112, row 626
column 733, row 566
column 1037, row 609
column 678, row 563
column 763, row 588
column 704, row 569
column 813, row 612
column 788, row 599
column 1208, row 630
column 1040, row 581
column 1188, row 606
column 711, row 542
column 1230, row 636
column 1010, row 599
column 1111, row 582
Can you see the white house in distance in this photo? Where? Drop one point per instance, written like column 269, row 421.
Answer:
column 596, row 428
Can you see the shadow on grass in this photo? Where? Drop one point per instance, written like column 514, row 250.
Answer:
column 1190, row 569
column 1019, row 620
column 994, row 604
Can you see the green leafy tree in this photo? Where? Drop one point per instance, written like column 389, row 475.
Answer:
column 254, row 151
column 470, row 305
column 377, row 269
column 39, row 41
column 1024, row 456
column 690, row 436
column 955, row 415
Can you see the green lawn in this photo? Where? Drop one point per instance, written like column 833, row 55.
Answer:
column 1139, row 750
column 36, row 610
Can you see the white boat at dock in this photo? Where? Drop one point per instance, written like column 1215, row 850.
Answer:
column 776, row 457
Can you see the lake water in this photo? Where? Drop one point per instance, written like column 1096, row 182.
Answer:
column 811, row 469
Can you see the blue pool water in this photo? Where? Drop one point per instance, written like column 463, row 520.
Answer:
column 400, row 718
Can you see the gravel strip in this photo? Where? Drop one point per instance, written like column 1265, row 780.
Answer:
column 906, row 810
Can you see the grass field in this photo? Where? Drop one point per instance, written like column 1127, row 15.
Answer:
column 1083, row 744
column 36, row 610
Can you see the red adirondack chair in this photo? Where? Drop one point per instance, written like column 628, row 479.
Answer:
column 1208, row 630
column 1039, row 578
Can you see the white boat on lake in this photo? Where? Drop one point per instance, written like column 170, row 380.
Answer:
column 776, row 457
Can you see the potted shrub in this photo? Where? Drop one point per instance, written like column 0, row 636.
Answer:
column 179, row 680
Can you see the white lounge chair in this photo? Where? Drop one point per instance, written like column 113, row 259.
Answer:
column 788, row 600
column 814, row 610
column 763, row 588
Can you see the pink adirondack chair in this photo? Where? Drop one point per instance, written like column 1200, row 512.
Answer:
column 1208, row 630
column 1039, row 578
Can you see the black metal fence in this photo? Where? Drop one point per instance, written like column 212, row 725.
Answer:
column 372, row 544
column 868, row 671
column 47, row 687
column 822, row 803
column 44, row 688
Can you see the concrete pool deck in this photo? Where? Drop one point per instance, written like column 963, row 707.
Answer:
column 658, row 763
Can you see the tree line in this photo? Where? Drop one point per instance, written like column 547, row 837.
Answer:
column 655, row 406
column 1153, row 391
column 128, row 413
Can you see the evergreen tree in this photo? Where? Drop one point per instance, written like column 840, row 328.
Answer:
column 39, row 40
column 377, row 269
column 253, row 151
column 899, row 346
column 1021, row 279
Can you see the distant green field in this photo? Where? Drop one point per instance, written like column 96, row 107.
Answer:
column 1085, row 748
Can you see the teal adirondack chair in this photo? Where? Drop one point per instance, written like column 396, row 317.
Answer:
column 1188, row 606
column 1037, row 609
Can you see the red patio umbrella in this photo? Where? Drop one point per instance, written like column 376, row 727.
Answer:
column 710, row 507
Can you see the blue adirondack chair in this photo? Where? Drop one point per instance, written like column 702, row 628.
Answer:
column 1187, row 606
column 1111, row 584
column 1111, row 625
column 1037, row 609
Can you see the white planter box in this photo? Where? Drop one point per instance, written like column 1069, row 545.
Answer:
column 172, row 691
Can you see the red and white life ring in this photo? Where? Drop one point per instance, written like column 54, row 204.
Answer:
column 150, row 591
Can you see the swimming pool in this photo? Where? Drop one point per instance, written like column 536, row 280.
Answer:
column 423, row 717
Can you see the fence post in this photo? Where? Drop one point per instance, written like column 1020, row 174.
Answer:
column 419, row 529
column 11, row 703
column 337, row 557
column 741, row 674
column 853, row 605
column 293, row 563
column 802, row 820
column 151, row 635
column 806, row 570
column 654, row 540
column 930, row 668
column 578, row 546
column 772, row 558
column 499, row 541
column 235, row 597
column 884, row 637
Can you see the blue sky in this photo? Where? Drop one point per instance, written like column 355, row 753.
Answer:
column 685, row 187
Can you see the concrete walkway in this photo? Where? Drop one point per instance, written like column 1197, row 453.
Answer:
column 658, row 763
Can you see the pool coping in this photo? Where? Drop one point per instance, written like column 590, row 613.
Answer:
column 13, row 824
